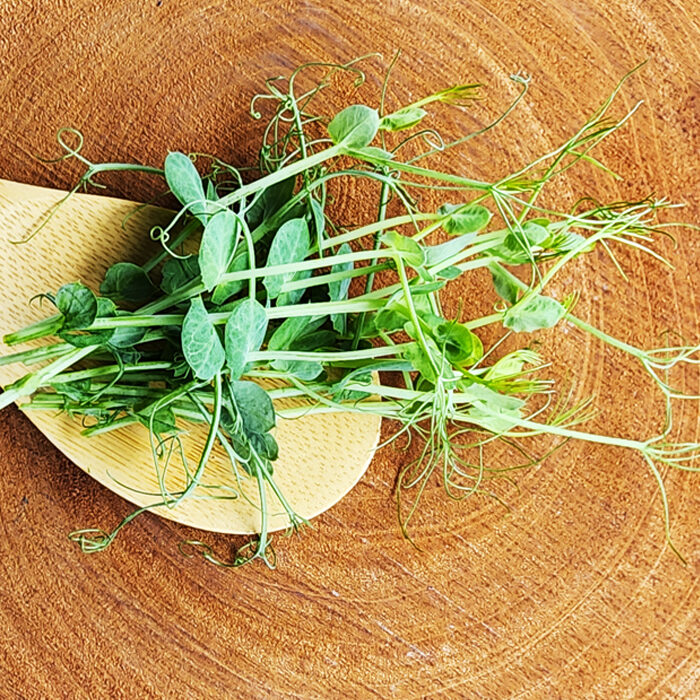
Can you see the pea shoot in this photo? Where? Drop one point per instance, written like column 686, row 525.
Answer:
column 259, row 294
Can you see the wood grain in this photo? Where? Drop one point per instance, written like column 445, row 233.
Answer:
column 573, row 594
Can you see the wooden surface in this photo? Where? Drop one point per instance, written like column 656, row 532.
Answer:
column 321, row 457
column 571, row 595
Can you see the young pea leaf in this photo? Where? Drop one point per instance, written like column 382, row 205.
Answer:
column 200, row 342
column 481, row 393
column 491, row 409
column 464, row 219
column 535, row 232
column 318, row 340
column 460, row 345
column 532, row 314
column 448, row 273
column 453, row 339
column 186, row 184
column 226, row 290
column 126, row 336
column 254, row 406
column 354, row 127
column 105, row 309
column 77, row 304
column 76, row 391
column 291, row 335
column 512, row 364
column 412, row 253
column 307, row 370
column 127, row 282
column 245, row 333
column 511, row 251
column 422, row 362
column 290, row 244
column 265, row 445
column 293, row 328
column 269, row 201
column 177, row 272
column 504, row 286
column 403, row 119
column 390, row 320
column 218, row 246
column 437, row 254
column 563, row 242
column 338, row 290
column 496, row 420
column 317, row 217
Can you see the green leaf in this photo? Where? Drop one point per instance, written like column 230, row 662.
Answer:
column 127, row 282
column 177, row 272
column 290, row 244
column 412, row 253
column 200, row 342
column 75, row 391
column 218, row 246
column 422, row 362
column 293, row 328
column 512, row 365
column 186, row 184
column 449, row 273
column 534, row 313
column 77, row 304
column 81, row 339
column 354, row 127
column 317, row 217
column 535, row 233
column 481, row 393
column 265, row 445
column 295, row 295
column 306, row 370
column 391, row 319
column 504, row 286
column 338, row 290
column 245, row 333
column 437, row 254
column 460, row 345
column 318, row 340
column 403, row 119
column 470, row 218
column 226, row 290
column 269, row 201
column 254, row 407
column 496, row 420
column 511, row 251
column 126, row 336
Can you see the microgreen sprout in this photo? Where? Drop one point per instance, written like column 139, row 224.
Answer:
column 261, row 309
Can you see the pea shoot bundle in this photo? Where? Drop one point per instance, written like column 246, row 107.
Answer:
column 256, row 281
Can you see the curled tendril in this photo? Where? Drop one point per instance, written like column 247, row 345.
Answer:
column 192, row 548
column 70, row 151
column 92, row 540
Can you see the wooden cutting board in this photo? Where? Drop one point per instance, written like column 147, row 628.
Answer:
column 571, row 594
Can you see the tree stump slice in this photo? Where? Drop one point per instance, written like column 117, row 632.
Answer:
column 573, row 593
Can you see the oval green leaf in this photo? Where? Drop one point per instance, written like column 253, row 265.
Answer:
column 245, row 333
column 200, row 342
column 217, row 248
